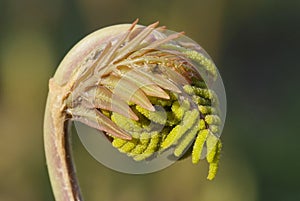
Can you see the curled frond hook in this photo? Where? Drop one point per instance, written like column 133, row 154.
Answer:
column 147, row 89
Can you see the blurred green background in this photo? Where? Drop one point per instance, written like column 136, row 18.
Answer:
column 255, row 45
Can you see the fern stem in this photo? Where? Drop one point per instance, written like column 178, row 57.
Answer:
column 58, row 151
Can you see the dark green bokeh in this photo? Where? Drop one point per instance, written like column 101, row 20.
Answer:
column 255, row 45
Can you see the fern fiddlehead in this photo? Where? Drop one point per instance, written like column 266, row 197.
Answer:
column 147, row 91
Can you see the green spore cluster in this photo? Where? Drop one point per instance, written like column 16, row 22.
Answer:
column 203, row 61
column 185, row 120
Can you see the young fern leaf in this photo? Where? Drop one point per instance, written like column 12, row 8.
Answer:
column 143, row 90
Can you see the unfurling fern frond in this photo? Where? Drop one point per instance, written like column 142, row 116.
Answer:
column 146, row 89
